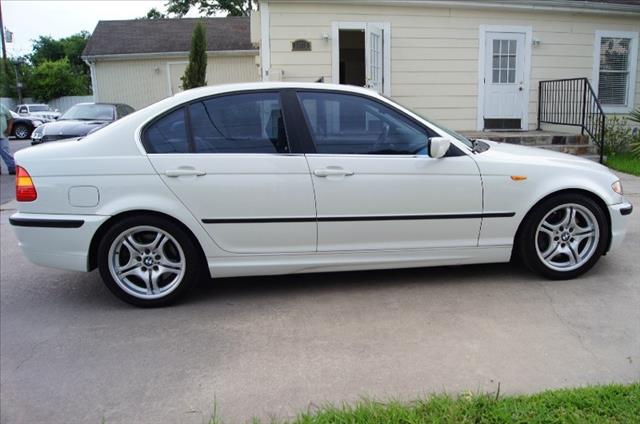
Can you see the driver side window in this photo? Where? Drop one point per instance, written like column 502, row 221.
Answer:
column 351, row 124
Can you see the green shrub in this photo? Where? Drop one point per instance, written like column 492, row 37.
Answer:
column 635, row 145
column 618, row 136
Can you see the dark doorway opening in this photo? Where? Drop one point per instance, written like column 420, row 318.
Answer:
column 352, row 66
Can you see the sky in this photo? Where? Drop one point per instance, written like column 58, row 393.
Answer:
column 28, row 19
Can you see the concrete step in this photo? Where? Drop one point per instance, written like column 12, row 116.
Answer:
column 575, row 144
column 574, row 149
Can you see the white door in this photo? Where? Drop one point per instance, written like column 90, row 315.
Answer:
column 374, row 57
column 504, row 78
column 375, row 186
column 232, row 168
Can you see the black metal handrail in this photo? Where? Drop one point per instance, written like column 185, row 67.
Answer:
column 573, row 102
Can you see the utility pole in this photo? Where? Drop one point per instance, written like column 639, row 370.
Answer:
column 4, row 46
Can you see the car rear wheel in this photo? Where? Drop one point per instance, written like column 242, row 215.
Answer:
column 148, row 261
column 22, row 131
column 564, row 236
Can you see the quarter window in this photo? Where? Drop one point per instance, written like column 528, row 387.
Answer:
column 168, row 134
column 239, row 123
column 349, row 124
column 616, row 56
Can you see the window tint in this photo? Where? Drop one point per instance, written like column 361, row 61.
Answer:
column 23, row 109
column 349, row 124
column 239, row 123
column 168, row 134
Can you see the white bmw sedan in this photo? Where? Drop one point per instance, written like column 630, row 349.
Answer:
column 278, row 178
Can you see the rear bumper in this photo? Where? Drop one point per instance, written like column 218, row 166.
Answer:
column 620, row 215
column 58, row 241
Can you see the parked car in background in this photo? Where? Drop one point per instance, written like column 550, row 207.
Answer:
column 23, row 126
column 277, row 178
column 80, row 120
column 40, row 110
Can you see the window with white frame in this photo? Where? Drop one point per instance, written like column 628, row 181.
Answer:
column 615, row 69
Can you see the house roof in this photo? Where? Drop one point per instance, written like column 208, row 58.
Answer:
column 144, row 36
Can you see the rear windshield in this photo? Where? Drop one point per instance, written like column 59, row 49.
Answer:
column 89, row 113
column 39, row 108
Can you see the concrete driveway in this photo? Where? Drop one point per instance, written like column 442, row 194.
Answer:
column 72, row 353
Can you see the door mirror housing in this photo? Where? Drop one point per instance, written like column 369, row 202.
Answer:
column 438, row 147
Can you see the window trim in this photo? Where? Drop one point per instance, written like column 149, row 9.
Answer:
column 633, row 62
column 430, row 131
column 191, row 145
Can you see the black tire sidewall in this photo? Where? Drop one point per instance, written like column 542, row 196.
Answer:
column 527, row 248
column 191, row 252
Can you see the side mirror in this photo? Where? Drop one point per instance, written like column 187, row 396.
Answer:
column 438, row 147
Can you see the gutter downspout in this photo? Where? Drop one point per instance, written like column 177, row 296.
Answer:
column 94, row 82
column 265, row 41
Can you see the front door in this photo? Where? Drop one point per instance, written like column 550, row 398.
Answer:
column 375, row 186
column 504, row 81
column 374, row 60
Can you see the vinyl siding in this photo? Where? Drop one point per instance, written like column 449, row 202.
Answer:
column 434, row 50
column 141, row 82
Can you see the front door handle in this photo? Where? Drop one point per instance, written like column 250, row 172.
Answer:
column 184, row 172
column 330, row 172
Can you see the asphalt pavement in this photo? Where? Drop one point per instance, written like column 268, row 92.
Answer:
column 272, row 346
column 7, row 182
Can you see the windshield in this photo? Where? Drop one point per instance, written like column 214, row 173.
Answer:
column 89, row 113
column 450, row 132
column 39, row 108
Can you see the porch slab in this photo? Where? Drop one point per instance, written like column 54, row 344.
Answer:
column 572, row 143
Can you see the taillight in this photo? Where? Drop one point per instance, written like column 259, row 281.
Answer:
column 25, row 190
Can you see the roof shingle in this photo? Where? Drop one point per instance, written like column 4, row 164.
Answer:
column 166, row 36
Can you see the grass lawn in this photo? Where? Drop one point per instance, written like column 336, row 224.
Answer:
column 596, row 404
column 624, row 163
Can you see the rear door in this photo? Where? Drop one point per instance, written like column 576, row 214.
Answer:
column 375, row 186
column 232, row 166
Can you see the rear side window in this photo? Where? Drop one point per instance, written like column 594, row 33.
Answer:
column 168, row 134
column 239, row 123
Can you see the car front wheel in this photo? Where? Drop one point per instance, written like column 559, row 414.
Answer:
column 564, row 236
column 148, row 261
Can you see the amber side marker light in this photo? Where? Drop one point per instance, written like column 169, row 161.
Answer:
column 518, row 177
column 25, row 190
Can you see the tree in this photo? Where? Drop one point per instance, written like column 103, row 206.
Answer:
column 52, row 79
column 179, row 8
column 48, row 49
column 194, row 75
column 154, row 14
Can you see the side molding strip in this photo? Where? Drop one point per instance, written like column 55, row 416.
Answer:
column 50, row 223
column 357, row 218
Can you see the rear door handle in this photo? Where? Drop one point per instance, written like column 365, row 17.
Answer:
column 330, row 172
column 182, row 172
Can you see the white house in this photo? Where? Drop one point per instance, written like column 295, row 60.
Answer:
column 472, row 65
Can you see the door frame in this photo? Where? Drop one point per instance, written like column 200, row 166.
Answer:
column 168, row 64
column 336, row 26
column 482, row 39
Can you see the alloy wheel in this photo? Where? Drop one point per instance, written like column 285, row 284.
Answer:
column 147, row 262
column 567, row 237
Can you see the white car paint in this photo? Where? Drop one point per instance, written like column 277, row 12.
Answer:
column 128, row 180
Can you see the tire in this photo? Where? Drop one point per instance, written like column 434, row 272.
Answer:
column 564, row 236
column 148, row 261
column 22, row 132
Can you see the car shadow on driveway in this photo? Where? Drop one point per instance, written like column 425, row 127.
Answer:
column 89, row 291
column 335, row 283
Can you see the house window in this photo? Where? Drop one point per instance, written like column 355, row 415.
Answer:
column 615, row 69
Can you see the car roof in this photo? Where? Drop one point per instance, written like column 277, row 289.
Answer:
column 229, row 88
